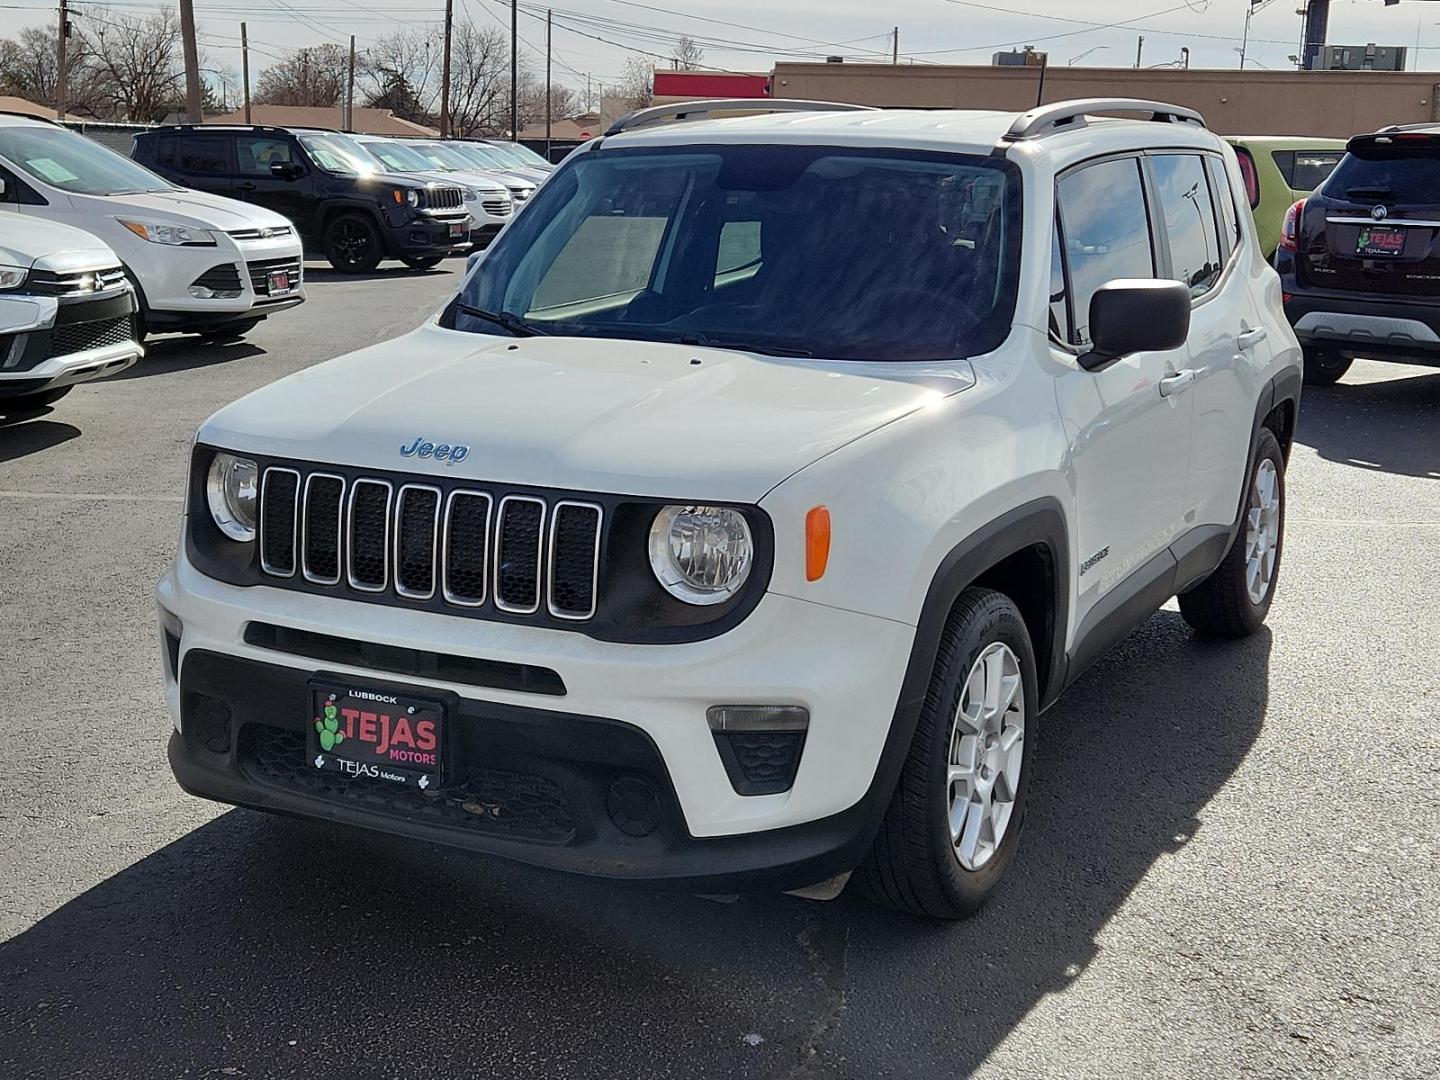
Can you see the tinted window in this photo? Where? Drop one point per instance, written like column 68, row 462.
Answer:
column 1225, row 198
column 832, row 252
column 207, row 154
column 254, row 154
column 1412, row 178
column 1312, row 167
column 1107, row 233
column 71, row 162
column 1189, row 218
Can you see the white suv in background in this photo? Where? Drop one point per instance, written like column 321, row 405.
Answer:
column 199, row 262
column 698, row 540
column 66, row 312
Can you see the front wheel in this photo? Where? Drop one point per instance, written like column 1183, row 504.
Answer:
column 1325, row 367
column 954, row 820
column 1234, row 600
column 353, row 244
column 425, row 263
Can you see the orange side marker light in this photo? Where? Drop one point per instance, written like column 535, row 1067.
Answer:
column 817, row 542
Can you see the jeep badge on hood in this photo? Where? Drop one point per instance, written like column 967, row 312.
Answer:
column 447, row 452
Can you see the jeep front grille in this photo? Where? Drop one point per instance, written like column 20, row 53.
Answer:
column 462, row 548
column 444, row 198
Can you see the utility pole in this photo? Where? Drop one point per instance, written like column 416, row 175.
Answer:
column 514, row 69
column 445, row 75
column 350, row 89
column 895, row 48
column 549, row 16
column 1139, row 50
column 61, row 74
column 245, row 68
column 194, row 112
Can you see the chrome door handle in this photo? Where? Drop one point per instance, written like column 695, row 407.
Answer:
column 1250, row 338
column 1176, row 383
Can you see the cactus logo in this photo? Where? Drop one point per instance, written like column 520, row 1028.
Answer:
column 328, row 725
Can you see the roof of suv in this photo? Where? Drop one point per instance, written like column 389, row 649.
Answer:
column 967, row 130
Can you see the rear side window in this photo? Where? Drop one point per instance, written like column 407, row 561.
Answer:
column 1225, row 202
column 205, row 154
column 254, row 154
column 1106, row 231
column 1306, row 170
column 1189, row 217
column 1401, row 175
column 1250, row 175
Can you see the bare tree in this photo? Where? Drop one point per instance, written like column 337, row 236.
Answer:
column 636, row 88
column 479, row 80
column 564, row 102
column 401, row 72
column 136, row 62
column 687, row 55
column 311, row 76
column 27, row 69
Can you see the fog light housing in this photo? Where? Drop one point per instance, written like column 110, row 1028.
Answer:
column 172, row 631
column 201, row 292
column 759, row 745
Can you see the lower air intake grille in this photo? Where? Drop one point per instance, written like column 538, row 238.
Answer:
column 78, row 337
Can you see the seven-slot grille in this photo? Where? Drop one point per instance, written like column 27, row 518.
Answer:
column 515, row 553
column 444, row 198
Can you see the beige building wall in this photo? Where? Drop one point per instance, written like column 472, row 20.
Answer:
column 1327, row 103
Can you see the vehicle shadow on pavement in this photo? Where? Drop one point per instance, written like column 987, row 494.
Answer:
column 1384, row 426
column 260, row 946
column 169, row 355
column 384, row 272
column 27, row 433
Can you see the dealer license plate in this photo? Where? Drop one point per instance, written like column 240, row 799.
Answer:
column 456, row 231
column 1380, row 242
column 379, row 734
column 279, row 282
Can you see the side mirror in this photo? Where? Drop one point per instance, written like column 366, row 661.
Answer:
column 4, row 189
column 285, row 170
column 1136, row 315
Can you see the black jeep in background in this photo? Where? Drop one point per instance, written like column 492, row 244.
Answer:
column 1359, row 260
column 322, row 184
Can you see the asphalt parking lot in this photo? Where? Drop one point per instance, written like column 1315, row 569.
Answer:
column 1231, row 867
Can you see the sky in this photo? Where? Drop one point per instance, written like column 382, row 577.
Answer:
column 594, row 37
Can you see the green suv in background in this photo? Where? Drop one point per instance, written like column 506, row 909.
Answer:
column 1278, row 171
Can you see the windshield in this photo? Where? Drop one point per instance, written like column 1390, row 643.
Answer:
column 814, row 251
column 1397, row 175
column 74, row 163
column 441, row 157
column 334, row 154
column 525, row 156
column 483, row 156
column 397, row 157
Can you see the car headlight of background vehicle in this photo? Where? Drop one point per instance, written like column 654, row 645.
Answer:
column 12, row 277
column 232, row 489
column 701, row 554
column 159, row 232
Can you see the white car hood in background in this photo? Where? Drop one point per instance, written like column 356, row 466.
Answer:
column 186, row 207
column 604, row 416
column 24, row 241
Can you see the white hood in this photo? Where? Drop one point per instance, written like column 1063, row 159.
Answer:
column 185, row 207
column 606, row 416
column 24, row 241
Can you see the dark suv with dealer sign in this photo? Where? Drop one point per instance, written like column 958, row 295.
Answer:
column 337, row 201
column 1359, row 260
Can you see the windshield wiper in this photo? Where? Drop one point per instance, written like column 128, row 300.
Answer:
column 743, row 346
column 517, row 326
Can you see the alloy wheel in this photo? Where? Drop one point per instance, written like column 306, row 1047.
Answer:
column 1262, row 531
column 987, row 744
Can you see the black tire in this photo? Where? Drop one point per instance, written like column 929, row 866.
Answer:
column 1221, row 605
column 231, row 331
column 23, row 403
column 912, row 866
column 1325, row 367
column 426, row 263
column 138, row 327
column 353, row 244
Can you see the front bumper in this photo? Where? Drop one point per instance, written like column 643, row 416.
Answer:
column 627, row 711
column 48, row 342
column 165, row 275
column 1366, row 326
column 423, row 235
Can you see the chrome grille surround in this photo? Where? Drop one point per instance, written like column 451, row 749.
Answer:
column 270, row 567
column 384, row 545
column 551, row 577
column 499, row 558
column 310, row 575
column 398, row 532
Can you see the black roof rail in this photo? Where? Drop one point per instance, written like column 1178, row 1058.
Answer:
column 1068, row 115
column 688, row 110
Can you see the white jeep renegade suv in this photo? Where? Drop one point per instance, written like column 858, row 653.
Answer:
column 737, row 521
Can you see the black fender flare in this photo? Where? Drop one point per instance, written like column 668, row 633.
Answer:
column 333, row 208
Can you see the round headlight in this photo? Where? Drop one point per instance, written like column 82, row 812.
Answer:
column 232, row 490
column 412, row 197
column 701, row 554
